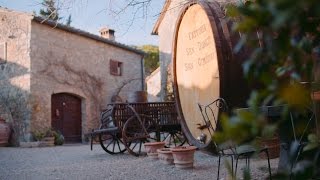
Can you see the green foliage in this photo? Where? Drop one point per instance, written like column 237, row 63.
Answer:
column 284, row 39
column 151, row 60
column 250, row 123
column 49, row 133
column 38, row 135
column 50, row 10
column 15, row 106
column 58, row 138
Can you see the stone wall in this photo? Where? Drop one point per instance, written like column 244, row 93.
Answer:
column 15, row 71
column 66, row 62
column 15, row 32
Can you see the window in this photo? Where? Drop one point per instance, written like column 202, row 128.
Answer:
column 115, row 67
column 3, row 53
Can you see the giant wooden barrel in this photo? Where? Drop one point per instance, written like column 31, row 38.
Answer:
column 205, row 67
column 137, row 96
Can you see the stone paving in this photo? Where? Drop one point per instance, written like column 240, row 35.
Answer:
column 78, row 162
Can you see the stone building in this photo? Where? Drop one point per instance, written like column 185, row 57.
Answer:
column 64, row 75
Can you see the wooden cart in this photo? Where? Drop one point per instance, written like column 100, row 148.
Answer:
column 126, row 126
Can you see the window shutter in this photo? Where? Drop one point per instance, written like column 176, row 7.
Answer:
column 115, row 67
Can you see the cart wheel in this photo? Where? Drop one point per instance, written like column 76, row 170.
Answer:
column 173, row 138
column 111, row 143
column 136, row 132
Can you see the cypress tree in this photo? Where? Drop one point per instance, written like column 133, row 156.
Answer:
column 49, row 11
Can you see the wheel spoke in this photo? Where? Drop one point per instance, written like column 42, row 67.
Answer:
column 134, row 146
column 182, row 138
column 118, row 144
column 114, row 145
column 109, row 144
column 135, row 132
column 170, row 140
column 168, row 134
column 140, row 147
column 174, row 140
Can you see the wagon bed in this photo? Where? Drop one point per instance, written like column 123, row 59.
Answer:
column 126, row 126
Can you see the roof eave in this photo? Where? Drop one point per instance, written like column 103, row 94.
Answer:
column 161, row 17
column 85, row 34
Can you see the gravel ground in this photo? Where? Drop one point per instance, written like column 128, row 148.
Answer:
column 78, row 162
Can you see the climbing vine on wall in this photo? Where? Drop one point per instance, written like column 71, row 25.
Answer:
column 63, row 73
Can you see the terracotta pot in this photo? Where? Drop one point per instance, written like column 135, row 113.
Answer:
column 47, row 141
column 183, row 156
column 4, row 133
column 152, row 147
column 29, row 144
column 165, row 155
column 315, row 95
column 273, row 145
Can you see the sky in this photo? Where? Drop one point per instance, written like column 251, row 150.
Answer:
column 91, row 15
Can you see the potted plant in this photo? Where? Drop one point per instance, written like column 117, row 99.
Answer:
column 152, row 147
column 165, row 155
column 183, row 156
column 273, row 145
column 44, row 137
column 48, row 139
column 38, row 135
column 58, row 138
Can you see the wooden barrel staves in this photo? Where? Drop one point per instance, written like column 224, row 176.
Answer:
column 205, row 67
column 137, row 96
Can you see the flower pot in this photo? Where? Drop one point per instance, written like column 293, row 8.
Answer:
column 183, row 156
column 315, row 95
column 152, row 147
column 273, row 145
column 165, row 155
column 29, row 144
column 47, row 141
column 4, row 133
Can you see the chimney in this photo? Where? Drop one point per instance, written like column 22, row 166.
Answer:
column 107, row 33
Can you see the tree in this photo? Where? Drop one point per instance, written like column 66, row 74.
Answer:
column 15, row 106
column 69, row 20
column 151, row 60
column 285, row 39
column 50, row 10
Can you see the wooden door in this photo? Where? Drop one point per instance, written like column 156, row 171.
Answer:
column 66, row 116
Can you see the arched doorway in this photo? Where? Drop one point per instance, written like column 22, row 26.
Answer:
column 66, row 116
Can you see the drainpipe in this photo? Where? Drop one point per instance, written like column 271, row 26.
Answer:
column 142, row 73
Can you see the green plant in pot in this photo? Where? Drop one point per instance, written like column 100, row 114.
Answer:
column 58, row 138
column 48, row 140
column 38, row 135
column 46, row 137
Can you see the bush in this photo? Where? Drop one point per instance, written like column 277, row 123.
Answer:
column 58, row 138
column 38, row 135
